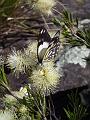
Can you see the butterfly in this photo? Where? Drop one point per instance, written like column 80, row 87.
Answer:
column 47, row 47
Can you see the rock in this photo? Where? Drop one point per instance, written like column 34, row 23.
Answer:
column 79, row 9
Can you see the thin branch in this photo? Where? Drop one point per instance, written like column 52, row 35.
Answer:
column 45, row 21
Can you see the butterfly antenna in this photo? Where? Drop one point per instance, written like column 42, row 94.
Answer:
column 45, row 21
column 57, row 34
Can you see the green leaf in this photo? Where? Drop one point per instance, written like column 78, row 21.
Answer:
column 7, row 7
column 56, row 21
column 67, row 113
column 75, row 110
column 3, row 78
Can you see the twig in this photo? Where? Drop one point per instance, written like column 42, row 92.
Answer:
column 45, row 21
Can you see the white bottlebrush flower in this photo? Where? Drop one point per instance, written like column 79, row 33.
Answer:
column 9, row 99
column 75, row 55
column 45, row 77
column 32, row 47
column 19, row 94
column 6, row 115
column 31, row 53
column 23, row 90
column 45, row 6
column 16, row 61
column 19, row 61
column 23, row 109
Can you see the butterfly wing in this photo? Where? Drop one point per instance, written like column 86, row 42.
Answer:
column 44, row 36
column 53, row 48
column 44, row 40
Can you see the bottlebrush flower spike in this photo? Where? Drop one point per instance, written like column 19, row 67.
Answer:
column 7, row 115
column 45, row 77
column 21, row 61
column 17, row 61
column 44, row 6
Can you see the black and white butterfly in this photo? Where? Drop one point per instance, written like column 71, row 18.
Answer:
column 47, row 47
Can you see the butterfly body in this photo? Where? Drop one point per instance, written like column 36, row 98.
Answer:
column 47, row 47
